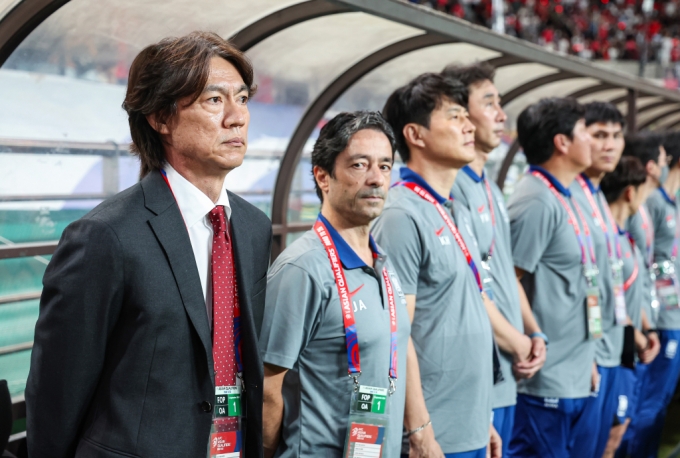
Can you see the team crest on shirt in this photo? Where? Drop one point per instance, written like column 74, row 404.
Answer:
column 670, row 220
column 360, row 305
column 443, row 239
column 483, row 215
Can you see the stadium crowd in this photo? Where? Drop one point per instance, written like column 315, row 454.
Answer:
column 604, row 29
column 425, row 318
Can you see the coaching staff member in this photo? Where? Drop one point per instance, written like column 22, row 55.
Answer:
column 123, row 363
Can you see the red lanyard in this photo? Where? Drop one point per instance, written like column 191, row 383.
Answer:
column 571, row 220
column 452, row 227
column 628, row 283
column 649, row 234
column 492, row 211
column 351, row 339
column 613, row 224
column 237, row 308
column 597, row 215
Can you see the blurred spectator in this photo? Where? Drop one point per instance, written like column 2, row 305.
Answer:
column 592, row 29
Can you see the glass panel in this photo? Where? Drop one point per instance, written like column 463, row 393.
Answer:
column 6, row 6
column 64, row 137
column 303, row 203
column 668, row 121
column 640, row 103
column 556, row 89
column 293, row 236
column 513, row 76
column 654, row 113
column 14, row 368
column 95, row 40
column 515, row 173
column 603, row 96
column 22, row 275
column 371, row 91
column 17, row 325
column 292, row 71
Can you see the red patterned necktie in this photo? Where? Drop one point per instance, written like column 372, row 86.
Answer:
column 225, row 299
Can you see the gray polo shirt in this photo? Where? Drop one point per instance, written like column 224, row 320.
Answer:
column 545, row 246
column 635, row 294
column 662, row 212
column 303, row 331
column 607, row 349
column 635, row 227
column 470, row 190
column 451, row 330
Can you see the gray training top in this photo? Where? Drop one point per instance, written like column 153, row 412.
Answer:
column 470, row 190
column 662, row 212
column 545, row 246
column 636, row 291
column 607, row 349
column 450, row 330
column 303, row 331
column 636, row 228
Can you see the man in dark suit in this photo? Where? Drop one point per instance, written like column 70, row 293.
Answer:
column 153, row 301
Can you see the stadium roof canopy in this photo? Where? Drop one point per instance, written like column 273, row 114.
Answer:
column 321, row 55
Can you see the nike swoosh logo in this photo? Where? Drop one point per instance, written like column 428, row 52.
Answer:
column 352, row 293
column 481, row 209
column 439, row 232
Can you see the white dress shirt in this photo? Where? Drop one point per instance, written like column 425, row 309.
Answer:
column 195, row 206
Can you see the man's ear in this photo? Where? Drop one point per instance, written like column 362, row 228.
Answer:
column 156, row 124
column 322, row 178
column 413, row 135
column 649, row 167
column 561, row 143
column 628, row 193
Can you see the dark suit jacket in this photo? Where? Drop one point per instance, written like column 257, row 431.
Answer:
column 122, row 363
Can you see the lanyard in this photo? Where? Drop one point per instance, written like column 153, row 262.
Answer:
column 613, row 224
column 597, row 215
column 452, row 227
column 628, row 283
column 571, row 220
column 492, row 211
column 649, row 234
column 237, row 309
column 676, row 238
column 351, row 339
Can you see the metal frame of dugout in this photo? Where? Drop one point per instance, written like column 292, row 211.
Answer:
column 23, row 16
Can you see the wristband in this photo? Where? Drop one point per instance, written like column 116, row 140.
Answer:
column 541, row 335
column 420, row 428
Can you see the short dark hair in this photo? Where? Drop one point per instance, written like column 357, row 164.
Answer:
column 336, row 134
column 538, row 124
column 644, row 146
column 470, row 74
column 603, row 112
column 628, row 172
column 165, row 72
column 415, row 102
column 671, row 143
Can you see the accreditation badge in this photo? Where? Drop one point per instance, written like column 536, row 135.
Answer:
column 368, row 423
column 487, row 282
column 619, row 295
column 594, row 312
column 667, row 289
column 226, row 438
